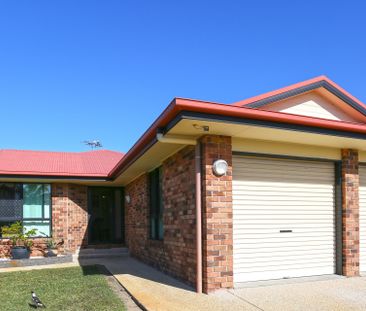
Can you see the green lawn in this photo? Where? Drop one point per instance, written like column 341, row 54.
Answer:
column 59, row 289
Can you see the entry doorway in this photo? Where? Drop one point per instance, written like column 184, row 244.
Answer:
column 106, row 215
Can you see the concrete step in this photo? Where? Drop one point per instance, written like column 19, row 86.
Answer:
column 102, row 252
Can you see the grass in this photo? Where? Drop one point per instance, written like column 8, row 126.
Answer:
column 66, row 289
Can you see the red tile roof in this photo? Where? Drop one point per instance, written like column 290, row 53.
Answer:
column 96, row 163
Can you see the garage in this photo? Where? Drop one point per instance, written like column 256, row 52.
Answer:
column 362, row 196
column 283, row 218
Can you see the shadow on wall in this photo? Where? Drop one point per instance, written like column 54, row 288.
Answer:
column 70, row 215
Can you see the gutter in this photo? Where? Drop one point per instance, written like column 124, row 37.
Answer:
column 176, row 139
column 55, row 177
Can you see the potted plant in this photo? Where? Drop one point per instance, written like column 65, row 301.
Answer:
column 20, row 238
column 52, row 248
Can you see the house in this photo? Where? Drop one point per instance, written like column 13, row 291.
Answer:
column 266, row 188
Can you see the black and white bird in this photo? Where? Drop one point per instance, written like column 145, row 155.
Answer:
column 36, row 301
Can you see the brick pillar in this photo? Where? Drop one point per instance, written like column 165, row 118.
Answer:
column 70, row 215
column 217, row 218
column 350, row 213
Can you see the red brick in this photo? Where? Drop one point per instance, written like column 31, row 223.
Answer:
column 350, row 213
column 176, row 254
column 217, row 214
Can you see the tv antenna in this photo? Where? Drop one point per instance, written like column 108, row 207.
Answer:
column 93, row 143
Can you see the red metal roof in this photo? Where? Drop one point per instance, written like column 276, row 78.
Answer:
column 96, row 163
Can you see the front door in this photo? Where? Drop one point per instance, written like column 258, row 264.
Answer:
column 105, row 215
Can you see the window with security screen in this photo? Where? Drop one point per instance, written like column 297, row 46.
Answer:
column 27, row 203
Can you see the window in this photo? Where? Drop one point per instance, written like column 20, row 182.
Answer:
column 28, row 203
column 36, row 208
column 156, row 205
column 11, row 203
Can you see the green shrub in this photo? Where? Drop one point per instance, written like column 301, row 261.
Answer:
column 18, row 235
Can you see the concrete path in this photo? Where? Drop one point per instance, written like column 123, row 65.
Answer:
column 157, row 291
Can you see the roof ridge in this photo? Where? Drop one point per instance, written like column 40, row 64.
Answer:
column 59, row 152
column 300, row 87
column 249, row 100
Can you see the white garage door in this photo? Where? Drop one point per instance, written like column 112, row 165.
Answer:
column 362, row 193
column 283, row 213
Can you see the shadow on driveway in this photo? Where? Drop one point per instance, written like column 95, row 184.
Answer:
column 126, row 265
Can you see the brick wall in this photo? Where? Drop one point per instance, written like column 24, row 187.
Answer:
column 136, row 216
column 217, row 215
column 69, row 220
column 350, row 212
column 5, row 245
column 176, row 254
column 70, row 215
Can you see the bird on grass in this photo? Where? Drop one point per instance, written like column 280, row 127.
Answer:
column 37, row 303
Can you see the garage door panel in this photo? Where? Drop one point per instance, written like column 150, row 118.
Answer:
column 257, row 232
column 288, row 194
column 289, row 165
column 283, row 255
column 277, row 176
column 286, row 206
column 304, row 188
column 284, row 212
column 270, row 195
column 273, row 237
column 283, row 216
column 261, row 169
column 243, row 257
column 277, row 199
column 283, row 265
column 294, row 186
column 255, row 177
column 279, row 274
column 314, row 222
column 273, row 244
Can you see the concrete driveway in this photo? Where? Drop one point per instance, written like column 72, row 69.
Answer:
column 322, row 293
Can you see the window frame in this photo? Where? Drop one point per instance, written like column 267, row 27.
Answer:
column 49, row 219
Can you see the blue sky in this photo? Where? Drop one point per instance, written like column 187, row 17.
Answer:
column 76, row 70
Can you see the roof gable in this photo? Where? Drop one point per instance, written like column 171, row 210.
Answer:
column 328, row 101
column 313, row 104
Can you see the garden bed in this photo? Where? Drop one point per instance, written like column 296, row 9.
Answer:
column 35, row 261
